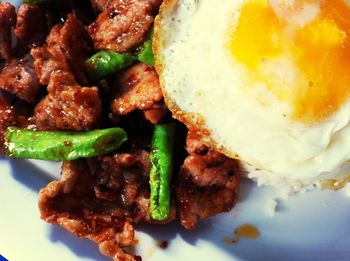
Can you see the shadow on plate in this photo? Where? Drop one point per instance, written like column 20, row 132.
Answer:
column 28, row 174
column 246, row 188
column 80, row 247
column 170, row 231
column 34, row 178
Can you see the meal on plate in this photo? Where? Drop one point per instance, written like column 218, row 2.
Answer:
column 157, row 107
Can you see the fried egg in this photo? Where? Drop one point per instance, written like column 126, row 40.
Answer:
column 264, row 81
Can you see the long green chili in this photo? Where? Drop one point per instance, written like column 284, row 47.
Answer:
column 145, row 51
column 58, row 145
column 105, row 63
column 161, row 170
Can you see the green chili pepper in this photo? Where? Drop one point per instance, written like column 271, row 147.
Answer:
column 105, row 63
column 145, row 52
column 59, row 145
column 161, row 170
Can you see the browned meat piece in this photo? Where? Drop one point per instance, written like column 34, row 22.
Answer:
column 100, row 4
column 205, row 167
column 31, row 27
column 156, row 113
column 71, row 203
column 74, row 43
column 59, row 64
column 19, row 78
column 207, row 183
column 7, row 118
column 45, row 63
column 7, row 21
column 68, row 106
column 66, row 49
column 136, row 88
column 101, row 199
column 124, row 24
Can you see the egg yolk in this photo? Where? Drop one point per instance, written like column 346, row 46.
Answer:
column 311, row 38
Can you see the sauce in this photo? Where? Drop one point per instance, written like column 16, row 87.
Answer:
column 335, row 184
column 163, row 244
column 244, row 231
column 247, row 231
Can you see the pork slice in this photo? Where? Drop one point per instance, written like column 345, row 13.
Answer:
column 101, row 199
column 156, row 112
column 31, row 27
column 123, row 24
column 45, row 63
column 7, row 21
column 68, row 106
column 66, row 49
column 207, row 183
column 59, row 63
column 72, row 204
column 136, row 88
column 19, row 78
column 7, row 118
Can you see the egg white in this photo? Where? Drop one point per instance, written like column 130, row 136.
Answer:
column 200, row 78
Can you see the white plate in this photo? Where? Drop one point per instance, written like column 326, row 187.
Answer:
column 312, row 226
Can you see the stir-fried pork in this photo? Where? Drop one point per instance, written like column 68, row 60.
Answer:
column 7, row 21
column 18, row 77
column 101, row 199
column 156, row 112
column 123, row 24
column 66, row 49
column 207, row 184
column 71, row 202
column 7, row 118
column 136, row 88
column 68, row 106
column 31, row 27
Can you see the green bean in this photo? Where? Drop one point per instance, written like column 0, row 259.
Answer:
column 59, row 145
column 161, row 170
column 145, row 52
column 105, row 63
